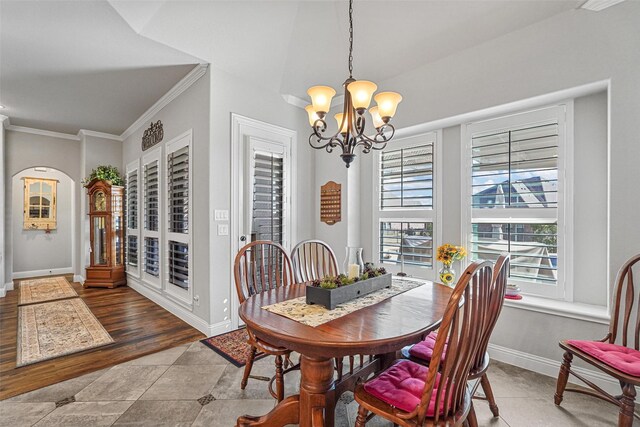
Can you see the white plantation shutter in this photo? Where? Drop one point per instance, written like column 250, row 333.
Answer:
column 406, row 177
column 152, row 249
column 268, row 197
column 178, row 175
column 513, row 192
column 152, row 256
column 151, row 196
column 131, row 250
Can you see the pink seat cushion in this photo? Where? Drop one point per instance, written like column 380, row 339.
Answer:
column 424, row 349
column 622, row 358
column 402, row 386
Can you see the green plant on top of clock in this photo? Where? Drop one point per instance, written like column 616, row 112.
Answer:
column 105, row 173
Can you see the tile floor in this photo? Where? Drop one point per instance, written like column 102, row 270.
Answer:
column 193, row 386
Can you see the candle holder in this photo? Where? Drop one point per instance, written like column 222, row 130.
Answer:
column 353, row 265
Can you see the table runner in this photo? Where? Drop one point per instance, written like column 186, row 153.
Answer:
column 315, row 315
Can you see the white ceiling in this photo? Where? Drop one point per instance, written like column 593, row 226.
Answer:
column 288, row 46
column 66, row 66
column 72, row 65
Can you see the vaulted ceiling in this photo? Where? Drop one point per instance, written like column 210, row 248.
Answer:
column 98, row 65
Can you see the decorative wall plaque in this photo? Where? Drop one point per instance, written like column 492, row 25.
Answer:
column 153, row 135
column 331, row 202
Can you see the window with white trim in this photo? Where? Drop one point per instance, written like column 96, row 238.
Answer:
column 178, row 176
column 405, row 214
column 151, row 232
column 516, row 195
column 133, row 233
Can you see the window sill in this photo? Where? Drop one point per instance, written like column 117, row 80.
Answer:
column 573, row 310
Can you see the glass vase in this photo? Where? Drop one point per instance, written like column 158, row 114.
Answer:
column 447, row 275
column 353, row 265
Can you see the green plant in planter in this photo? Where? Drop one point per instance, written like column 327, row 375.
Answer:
column 105, row 173
column 333, row 282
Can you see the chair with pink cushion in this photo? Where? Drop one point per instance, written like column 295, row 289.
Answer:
column 408, row 393
column 613, row 354
column 423, row 351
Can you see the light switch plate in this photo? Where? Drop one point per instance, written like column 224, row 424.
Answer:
column 223, row 229
column 221, row 215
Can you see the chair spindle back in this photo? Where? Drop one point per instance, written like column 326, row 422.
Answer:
column 260, row 266
column 626, row 297
column 461, row 330
column 496, row 295
column 312, row 260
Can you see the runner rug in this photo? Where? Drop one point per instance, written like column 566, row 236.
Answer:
column 232, row 346
column 44, row 289
column 53, row 329
column 316, row 315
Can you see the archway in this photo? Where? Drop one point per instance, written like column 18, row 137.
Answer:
column 41, row 252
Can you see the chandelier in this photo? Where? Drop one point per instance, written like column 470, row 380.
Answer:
column 351, row 122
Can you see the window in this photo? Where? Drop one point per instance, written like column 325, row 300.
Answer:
column 513, row 190
column 178, row 175
column 405, row 210
column 268, row 197
column 131, row 250
column 151, row 214
column 39, row 204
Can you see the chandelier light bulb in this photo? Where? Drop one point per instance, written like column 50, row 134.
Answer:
column 313, row 116
column 387, row 104
column 321, row 97
column 361, row 92
column 375, row 116
column 342, row 126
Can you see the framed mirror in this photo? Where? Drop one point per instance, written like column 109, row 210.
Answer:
column 39, row 204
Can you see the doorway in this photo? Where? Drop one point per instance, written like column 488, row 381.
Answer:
column 262, row 187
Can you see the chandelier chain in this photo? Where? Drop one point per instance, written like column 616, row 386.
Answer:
column 350, row 38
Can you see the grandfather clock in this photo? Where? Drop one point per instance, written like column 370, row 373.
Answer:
column 106, row 218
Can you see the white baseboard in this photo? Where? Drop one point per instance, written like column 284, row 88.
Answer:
column 78, row 278
column 551, row 367
column 4, row 288
column 41, row 273
column 178, row 310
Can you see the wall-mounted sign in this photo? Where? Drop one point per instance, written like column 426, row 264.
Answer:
column 152, row 136
column 330, row 202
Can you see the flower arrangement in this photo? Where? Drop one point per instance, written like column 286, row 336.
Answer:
column 448, row 253
column 105, row 173
column 333, row 282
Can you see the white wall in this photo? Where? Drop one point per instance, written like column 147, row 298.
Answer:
column 35, row 251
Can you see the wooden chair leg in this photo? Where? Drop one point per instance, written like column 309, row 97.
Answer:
column 488, row 393
column 247, row 368
column 361, row 420
column 279, row 379
column 472, row 420
column 563, row 377
column 627, row 406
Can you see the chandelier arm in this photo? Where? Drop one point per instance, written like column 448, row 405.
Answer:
column 329, row 145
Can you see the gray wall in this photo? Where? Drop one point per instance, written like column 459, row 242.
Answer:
column 23, row 151
column 34, row 249
column 232, row 95
column 572, row 49
column 190, row 110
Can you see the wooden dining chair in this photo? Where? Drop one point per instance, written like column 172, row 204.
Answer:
column 261, row 266
column 621, row 361
column 313, row 260
column 422, row 352
column 411, row 394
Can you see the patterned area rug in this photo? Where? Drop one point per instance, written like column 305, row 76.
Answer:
column 232, row 346
column 58, row 328
column 45, row 289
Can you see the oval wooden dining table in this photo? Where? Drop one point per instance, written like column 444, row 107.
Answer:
column 380, row 329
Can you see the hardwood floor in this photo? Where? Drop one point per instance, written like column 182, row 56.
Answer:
column 137, row 325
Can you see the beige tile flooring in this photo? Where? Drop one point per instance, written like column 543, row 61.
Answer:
column 193, row 386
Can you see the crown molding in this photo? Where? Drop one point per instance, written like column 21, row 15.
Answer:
column 184, row 84
column 4, row 118
column 598, row 5
column 295, row 101
column 85, row 132
column 42, row 132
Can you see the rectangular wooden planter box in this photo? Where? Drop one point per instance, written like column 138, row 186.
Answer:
column 330, row 298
